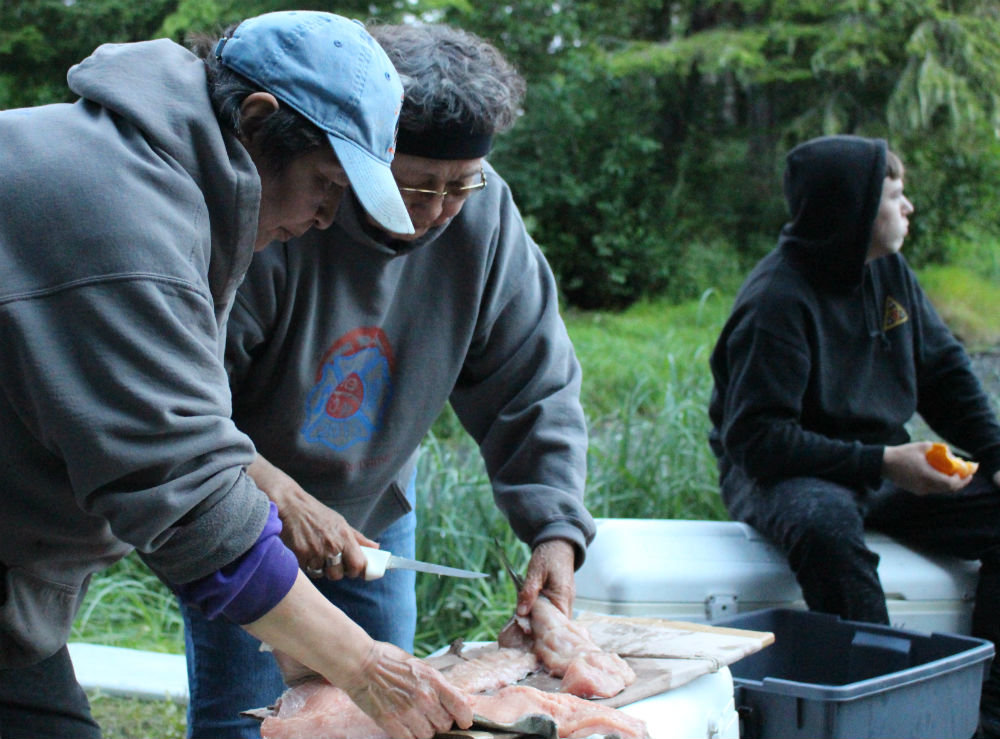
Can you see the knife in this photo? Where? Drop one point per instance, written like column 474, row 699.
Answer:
column 379, row 560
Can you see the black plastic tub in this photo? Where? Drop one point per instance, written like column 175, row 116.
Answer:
column 825, row 677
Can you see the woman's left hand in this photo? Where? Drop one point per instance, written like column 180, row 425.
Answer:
column 550, row 571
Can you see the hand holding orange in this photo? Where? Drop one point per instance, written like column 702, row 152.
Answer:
column 940, row 458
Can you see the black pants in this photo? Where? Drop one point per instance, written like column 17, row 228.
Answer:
column 819, row 525
column 44, row 700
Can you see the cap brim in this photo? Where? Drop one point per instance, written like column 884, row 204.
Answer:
column 374, row 185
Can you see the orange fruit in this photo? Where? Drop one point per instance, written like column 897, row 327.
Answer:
column 939, row 457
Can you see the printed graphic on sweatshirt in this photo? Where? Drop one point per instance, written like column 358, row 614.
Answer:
column 353, row 386
column 895, row 314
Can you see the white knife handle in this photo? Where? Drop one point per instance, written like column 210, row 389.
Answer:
column 377, row 561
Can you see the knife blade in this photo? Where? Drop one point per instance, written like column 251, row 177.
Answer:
column 380, row 560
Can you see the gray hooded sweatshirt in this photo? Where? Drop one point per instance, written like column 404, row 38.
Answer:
column 127, row 219
column 343, row 351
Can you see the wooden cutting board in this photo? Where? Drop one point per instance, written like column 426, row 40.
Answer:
column 664, row 654
column 667, row 654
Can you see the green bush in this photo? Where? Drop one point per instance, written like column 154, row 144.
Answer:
column 953, row 186
column 592, row 202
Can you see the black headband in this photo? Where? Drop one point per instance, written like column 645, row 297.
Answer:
column 448, row 141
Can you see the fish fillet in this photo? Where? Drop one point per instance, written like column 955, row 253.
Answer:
column 567, row 651
column 318, row 710
column 574, row 717
column 492, row 670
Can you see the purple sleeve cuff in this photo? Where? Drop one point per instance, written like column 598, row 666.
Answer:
column 250, row 586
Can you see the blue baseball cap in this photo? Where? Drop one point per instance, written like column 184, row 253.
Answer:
column 330, row 70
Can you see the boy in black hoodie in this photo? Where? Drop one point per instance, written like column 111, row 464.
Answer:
column 830, row 349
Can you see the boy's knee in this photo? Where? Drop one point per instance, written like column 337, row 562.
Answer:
column 818, row 508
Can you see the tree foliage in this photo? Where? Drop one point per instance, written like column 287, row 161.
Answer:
column 650, row 153
column 41, row 39
column 677, row 116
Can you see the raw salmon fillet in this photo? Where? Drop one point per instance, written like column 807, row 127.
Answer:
column 318, row 710
column 574, row 717
column 492, row 670
column 567, row 651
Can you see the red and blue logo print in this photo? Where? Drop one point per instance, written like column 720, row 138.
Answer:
column 353, row 387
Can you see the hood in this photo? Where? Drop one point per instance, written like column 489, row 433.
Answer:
column 351, row 217
column 833, row 186
column 160, row 88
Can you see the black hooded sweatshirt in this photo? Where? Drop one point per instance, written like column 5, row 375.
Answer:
column 824, row 357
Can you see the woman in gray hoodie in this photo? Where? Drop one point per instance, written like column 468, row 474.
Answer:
column 127, row 219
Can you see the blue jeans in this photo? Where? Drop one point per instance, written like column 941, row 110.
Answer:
column 227, row 672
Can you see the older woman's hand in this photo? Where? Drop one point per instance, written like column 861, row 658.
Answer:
column 550, row 571
column 406, row 696
column 322, row 540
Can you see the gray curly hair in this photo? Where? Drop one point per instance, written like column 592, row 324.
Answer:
column 451, row 76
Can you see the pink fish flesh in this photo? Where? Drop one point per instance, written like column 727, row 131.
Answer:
column 318, row 710
column 492, row 670
column 567, row 650
column 574, row 717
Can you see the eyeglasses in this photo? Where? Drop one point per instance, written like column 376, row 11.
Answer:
column 419, row 196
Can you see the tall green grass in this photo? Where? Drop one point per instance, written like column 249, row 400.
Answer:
column 127, row 606
column 458, row 525
column 646, row 388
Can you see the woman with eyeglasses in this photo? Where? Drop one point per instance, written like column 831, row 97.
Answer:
column 344, row 348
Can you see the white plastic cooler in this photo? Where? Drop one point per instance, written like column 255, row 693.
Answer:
column 701, row 709
column 708, row 570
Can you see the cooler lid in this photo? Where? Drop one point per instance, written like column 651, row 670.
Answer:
column 680, row 561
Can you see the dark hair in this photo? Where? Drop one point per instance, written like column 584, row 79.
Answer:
column 282, row 137
column 893, row 165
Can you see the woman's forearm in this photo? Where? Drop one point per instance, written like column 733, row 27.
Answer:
column 311, row 630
